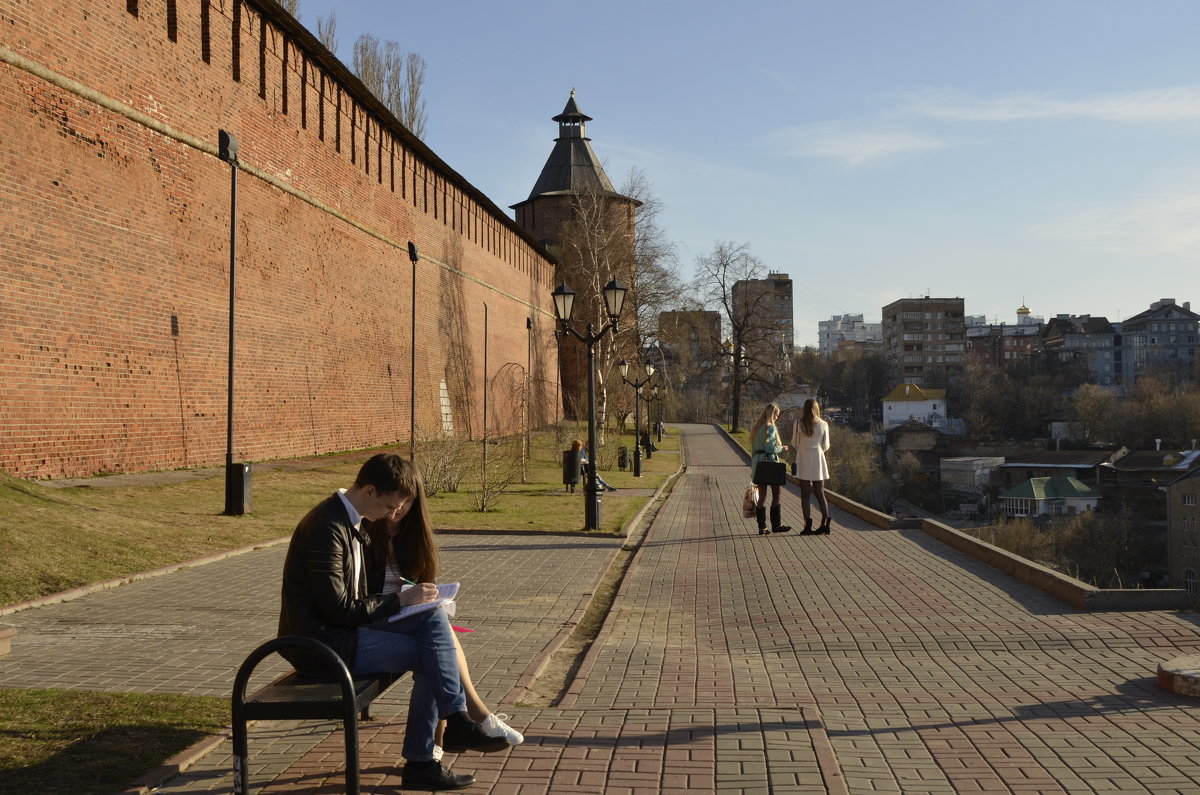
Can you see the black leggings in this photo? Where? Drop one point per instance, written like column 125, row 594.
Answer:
column 762, row 495
column 807, row 487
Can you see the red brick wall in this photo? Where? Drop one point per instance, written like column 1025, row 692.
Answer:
column 110, row 228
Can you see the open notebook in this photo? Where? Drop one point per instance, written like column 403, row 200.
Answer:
column 446, row 594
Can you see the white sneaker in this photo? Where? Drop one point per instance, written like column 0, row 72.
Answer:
column 437, row 753
column 494, row 726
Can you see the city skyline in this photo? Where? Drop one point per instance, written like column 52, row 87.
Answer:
column 1008, row 153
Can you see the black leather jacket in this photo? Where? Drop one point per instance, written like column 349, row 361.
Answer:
column 317, row 601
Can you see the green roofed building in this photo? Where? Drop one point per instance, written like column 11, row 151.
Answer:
column 1056, row 496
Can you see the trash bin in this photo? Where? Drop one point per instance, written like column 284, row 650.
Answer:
column 623, row 458
column 571, row 467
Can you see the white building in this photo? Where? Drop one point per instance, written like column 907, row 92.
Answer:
column 845, row 328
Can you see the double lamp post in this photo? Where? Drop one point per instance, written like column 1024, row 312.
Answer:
column 564, row 302
column 637, row 413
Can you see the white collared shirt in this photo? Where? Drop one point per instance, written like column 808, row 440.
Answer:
column 355, row 547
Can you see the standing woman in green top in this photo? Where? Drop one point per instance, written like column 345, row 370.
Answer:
column 765, row 446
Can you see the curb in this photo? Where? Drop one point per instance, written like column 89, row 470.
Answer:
column 84, row 590
column 175, row 765
column 538, row 665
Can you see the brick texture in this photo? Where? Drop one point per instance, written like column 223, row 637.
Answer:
column 114, row 251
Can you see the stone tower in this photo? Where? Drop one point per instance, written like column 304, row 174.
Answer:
column 573, row 203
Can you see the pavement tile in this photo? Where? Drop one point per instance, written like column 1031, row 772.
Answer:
column 865, row 661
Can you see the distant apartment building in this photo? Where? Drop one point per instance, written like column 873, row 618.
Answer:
column 925, row 339
column 1090, row 341
column 691, row 359
column 1160, row 340
column 770, row 336
column 996, row 344
column 842, row 329
column 1183, row 533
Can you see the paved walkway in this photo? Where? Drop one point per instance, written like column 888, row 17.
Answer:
column 864, row 661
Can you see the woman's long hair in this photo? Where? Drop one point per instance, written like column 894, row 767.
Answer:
column 413, row 546
column 769, row 411
column 808, row 420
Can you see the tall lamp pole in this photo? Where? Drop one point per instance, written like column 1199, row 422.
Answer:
column 654, row 395
column 237, row 476
column 414, row 256
column 637, row 413
column 662, row 364
column 564, row 301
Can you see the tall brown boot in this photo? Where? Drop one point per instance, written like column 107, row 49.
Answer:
column 760, row 513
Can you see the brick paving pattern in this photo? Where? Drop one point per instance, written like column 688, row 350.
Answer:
column 864, row 661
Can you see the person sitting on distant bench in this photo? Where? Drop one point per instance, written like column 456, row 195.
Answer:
column 583, row 465
column 325, row 596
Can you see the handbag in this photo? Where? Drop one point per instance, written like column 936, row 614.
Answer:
column 750, row 501
column 770, row 473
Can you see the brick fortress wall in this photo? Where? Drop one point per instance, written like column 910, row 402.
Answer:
column 114, row 250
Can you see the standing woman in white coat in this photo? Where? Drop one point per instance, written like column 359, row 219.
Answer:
column 810, row 440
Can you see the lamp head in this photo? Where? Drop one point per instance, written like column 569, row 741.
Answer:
column 649, row 369
column 624, row 367
column 564, row 302
column 614, row 298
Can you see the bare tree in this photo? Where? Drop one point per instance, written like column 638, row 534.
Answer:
column 396, row 78
column 290, row 6
column 749, row 324
column 595, row 245
column 327, row 32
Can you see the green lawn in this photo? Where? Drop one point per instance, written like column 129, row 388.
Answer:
column 55, row 539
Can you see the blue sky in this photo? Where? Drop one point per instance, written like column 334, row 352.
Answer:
column 1044, row 152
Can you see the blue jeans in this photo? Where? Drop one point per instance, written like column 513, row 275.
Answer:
column 423, row 644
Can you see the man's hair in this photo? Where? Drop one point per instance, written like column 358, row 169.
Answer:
column 384, row 471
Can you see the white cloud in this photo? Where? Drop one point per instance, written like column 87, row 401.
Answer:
column 1165, row 223
column 852, row 146
column 1147, row 105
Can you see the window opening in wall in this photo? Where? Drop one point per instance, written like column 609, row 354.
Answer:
column 262, row 57
column 1189, row 582
column 447, row 410
column 303, row 93
column 236, row 42
column 174, row 325
column 337, row 120
column 132, row 7
column 353, row 129
column 172, row 21
column 205, row 32
column 321, row 108
column 283, row 79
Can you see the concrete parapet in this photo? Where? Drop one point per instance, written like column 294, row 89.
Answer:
column 1072, row 591
column 6, row 636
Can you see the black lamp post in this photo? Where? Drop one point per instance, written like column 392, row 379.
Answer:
column 651, row 396
column 237, row 476
column 564, row 302
column 637, row 414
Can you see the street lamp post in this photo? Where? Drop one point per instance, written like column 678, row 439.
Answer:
column 654, row 395
column 662, row 364
column 564, row 301
column 237, row 476
column 637, row 414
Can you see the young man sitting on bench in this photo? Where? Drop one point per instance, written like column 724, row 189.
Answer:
column 325, row 597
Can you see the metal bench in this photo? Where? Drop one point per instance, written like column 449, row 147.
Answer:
column 292, row 697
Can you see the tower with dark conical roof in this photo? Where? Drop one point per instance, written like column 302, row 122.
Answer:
column 573, row 192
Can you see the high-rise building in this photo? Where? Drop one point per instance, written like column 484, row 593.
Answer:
column 925, row 339
column 1161, row 340
column 840, row 329
column 770, row 332
column 996, row 344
